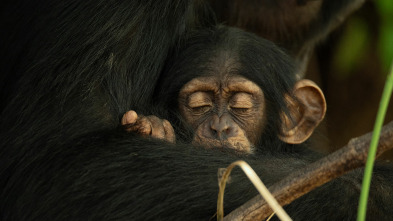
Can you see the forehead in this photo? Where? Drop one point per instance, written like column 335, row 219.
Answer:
column 225, row 83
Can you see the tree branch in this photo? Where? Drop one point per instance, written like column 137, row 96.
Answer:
column 352, row 156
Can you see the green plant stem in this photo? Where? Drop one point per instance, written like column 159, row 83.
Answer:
column 383, row 105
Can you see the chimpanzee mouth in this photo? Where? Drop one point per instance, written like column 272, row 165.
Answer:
column 234, row 144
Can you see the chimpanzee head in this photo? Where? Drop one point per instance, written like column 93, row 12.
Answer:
column 239, row 91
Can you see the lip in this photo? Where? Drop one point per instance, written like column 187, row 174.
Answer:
column 227, row 143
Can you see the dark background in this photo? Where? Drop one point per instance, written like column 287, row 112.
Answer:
column 351, row 67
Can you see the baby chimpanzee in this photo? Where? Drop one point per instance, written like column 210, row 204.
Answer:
column 233, row 101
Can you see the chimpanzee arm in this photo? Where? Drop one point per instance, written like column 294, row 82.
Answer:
column 119, row 176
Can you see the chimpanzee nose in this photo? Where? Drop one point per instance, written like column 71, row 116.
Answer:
column 222, row 127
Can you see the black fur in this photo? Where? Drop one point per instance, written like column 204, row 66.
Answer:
column 204, row 53
column 272, row 19
column 70, row 69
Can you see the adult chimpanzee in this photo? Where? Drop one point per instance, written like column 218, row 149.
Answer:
column 71, row 69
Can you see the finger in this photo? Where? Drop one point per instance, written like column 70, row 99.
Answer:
column 157, row 128
column 169, row 132
column 144, row 126
column 129, row 117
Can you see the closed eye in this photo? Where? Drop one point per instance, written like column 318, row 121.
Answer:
column 240, row 109
column 241, row 102
column 200, row 102
column 201, row 109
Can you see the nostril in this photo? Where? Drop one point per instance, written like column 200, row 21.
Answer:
column 221, row 128
column 231, row 131
column 214, row 132
column 213, row 128
column 225, row 130
column 222, row 133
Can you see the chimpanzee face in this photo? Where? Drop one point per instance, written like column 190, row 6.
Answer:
column 224, row 111
column 229, row 111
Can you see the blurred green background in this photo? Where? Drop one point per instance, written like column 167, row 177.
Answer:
column 358, row 39
column 351, row 66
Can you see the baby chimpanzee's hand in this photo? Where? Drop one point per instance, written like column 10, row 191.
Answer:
column 149, row 126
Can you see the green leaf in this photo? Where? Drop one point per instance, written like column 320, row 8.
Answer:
column 352, row 47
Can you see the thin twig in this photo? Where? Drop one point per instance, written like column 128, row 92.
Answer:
column 350, row 157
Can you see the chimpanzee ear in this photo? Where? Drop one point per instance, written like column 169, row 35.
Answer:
column 307, row 110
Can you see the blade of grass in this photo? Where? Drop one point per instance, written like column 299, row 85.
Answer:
column 253, row 177
column 387, row 92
